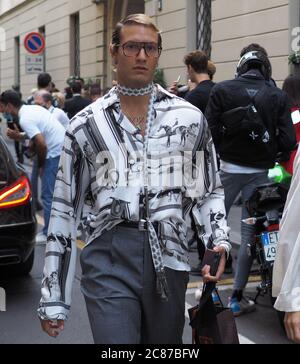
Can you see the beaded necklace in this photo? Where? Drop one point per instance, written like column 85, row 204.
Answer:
column 128, row 91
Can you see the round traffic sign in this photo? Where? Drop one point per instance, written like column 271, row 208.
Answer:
column 34, row 43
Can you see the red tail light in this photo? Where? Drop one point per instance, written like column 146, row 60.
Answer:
column 16, row 194
column 274, row 227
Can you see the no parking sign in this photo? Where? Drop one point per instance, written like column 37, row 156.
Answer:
column 34, row 43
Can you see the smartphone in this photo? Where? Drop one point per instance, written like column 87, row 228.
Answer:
column 212, row 259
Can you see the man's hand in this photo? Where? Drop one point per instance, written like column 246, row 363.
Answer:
column 206, row 269
column 41, row 149
column 173, row 88
column 14, row 134
column 52, row 328
column 292, row 326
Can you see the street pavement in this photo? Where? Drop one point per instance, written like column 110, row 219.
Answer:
column 19, row 324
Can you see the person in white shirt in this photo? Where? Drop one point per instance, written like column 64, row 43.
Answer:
column 47, row 136
column 137, row 216
column 286, row 272
column 45, row 99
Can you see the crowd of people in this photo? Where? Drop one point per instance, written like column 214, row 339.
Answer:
column 135, row 263
column 44, row 109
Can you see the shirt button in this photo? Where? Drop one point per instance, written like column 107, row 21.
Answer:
column 131, row 162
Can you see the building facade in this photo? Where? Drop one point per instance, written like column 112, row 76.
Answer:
column 78, row 32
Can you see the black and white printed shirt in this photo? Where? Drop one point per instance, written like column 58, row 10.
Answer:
column 101, row 181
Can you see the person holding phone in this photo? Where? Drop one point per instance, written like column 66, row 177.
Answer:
column 198, row 75
column 137, row 215
column 197, row 69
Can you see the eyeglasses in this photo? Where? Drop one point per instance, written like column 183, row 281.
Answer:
column 132, row 49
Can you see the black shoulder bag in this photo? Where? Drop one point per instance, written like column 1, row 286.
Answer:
column 212, row 324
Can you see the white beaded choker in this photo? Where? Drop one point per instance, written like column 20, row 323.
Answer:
column 127, row 91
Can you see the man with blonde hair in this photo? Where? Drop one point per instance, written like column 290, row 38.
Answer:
column 135, row 264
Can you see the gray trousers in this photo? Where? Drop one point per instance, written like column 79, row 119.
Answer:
column 119, row 286
column 233, row 184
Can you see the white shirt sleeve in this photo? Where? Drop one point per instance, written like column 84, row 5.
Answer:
column 61, row 250
column 286, row 271
column 209, row 211
column 63, row 118
column 30, row 127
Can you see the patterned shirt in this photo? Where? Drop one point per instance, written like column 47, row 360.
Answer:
column 101, row 181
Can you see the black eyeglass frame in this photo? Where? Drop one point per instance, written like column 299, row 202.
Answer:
column 142, row 45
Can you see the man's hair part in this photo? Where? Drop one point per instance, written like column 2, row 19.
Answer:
column 134, row 19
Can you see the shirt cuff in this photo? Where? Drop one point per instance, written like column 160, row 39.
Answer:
column 226, row 245
column 53, row 311
column 288, row 302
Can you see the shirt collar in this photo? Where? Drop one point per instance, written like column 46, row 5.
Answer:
column 112, row 97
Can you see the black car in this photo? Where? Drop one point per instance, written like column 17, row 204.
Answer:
column 17, row 218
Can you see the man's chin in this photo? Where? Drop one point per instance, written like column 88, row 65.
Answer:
column 138, row 82
column 142, row 84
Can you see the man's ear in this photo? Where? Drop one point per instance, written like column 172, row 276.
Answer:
column 113, row 51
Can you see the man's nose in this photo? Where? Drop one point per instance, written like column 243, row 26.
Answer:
column 142, row 54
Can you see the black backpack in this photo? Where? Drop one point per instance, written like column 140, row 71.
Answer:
column 246, row 123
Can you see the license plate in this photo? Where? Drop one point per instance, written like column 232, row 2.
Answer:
column 270, row 241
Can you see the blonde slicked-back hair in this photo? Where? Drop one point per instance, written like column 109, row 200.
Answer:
column 134, row 19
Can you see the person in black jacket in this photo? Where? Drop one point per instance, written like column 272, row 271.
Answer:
column 77, row 102
column 250, row 122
